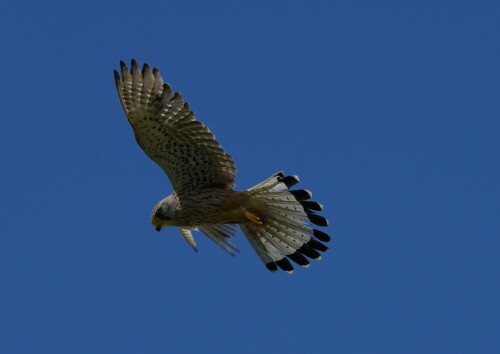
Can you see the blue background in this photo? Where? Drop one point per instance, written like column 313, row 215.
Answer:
column 387, row 110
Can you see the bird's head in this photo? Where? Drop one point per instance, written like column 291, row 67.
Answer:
column 163, row 213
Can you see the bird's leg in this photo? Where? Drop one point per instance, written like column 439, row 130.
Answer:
column 253, row 217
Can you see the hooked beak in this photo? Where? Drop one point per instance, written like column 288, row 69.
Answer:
column 158, row 228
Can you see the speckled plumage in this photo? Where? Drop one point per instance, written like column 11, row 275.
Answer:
column 275, row 220
column 165, row 128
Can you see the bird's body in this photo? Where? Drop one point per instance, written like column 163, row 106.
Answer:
column 206, row 206
column 275, row 220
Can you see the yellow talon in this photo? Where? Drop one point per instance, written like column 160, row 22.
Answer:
column 253, row 217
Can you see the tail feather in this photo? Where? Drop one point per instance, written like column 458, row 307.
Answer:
column 298, row 230
column 299, row 258
column 310, row 206
column 259, row 246
column 317, row 219
column 310, row 252
column 287, row 245
column 285, row 265
column 301, row 194
column 290, row 181
column 265, row 249
column 287, row 231
column 320, row 235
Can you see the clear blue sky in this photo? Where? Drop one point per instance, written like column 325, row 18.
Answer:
column 387, row 110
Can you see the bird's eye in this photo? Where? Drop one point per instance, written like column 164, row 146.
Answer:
column 160, row 215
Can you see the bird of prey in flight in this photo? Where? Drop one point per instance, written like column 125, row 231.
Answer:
column 277, row 221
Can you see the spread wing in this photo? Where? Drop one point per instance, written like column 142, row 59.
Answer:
column 168, row 132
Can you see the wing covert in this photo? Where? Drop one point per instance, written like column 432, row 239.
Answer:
column 166, row 129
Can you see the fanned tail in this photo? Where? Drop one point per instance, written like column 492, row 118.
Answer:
column 286, row 232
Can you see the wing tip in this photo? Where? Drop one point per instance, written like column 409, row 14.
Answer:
column 117, row 76
column 146, row 69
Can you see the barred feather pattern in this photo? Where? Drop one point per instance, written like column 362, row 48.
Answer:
column 281, row 226
column 221, row 234
column 166, row 129
column 287, row 233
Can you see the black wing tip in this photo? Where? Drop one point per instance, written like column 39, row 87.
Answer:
column 134, row 63
column 122, row 64
column 117, row 75
column 322, row 236
column 145, row 68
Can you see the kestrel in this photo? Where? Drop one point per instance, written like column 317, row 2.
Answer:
column 278, row 222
